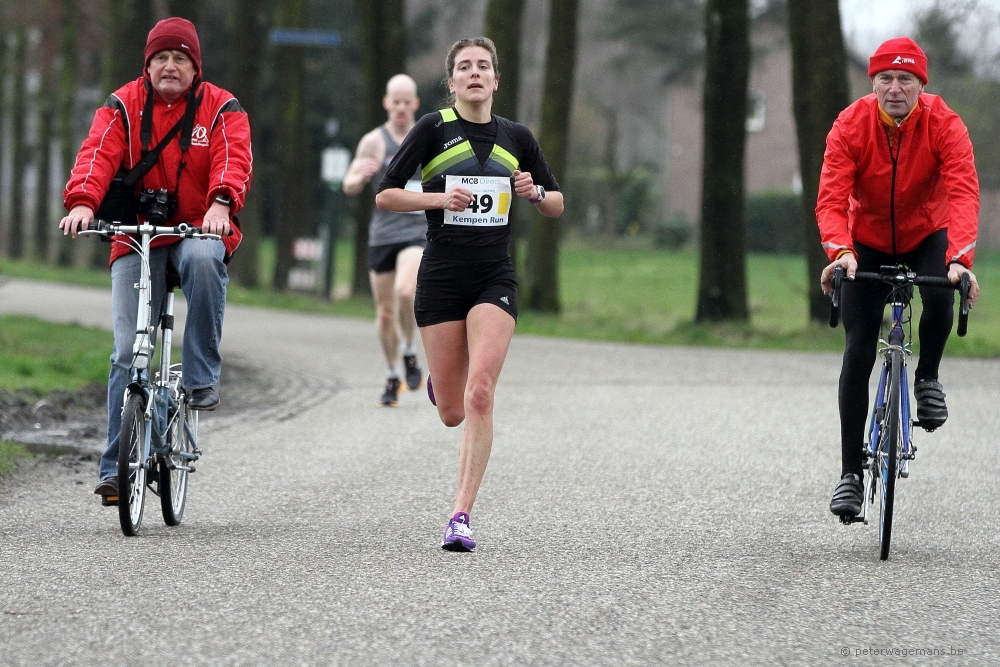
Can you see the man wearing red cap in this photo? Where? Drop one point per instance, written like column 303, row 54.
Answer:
column 898, row 186
column 205, row 168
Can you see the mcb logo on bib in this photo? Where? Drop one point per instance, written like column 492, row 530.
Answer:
column 490, row 203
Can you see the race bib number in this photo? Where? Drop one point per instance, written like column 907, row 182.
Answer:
column 490, row 203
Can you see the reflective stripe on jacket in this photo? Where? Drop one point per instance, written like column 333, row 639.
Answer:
column 879, row 195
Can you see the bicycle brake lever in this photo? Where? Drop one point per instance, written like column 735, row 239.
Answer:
column 192, row 232
column 963, row 306
column 838, row 281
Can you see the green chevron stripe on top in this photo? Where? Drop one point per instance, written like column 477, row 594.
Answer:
column 448, row 115
column 449, row 158
column 504, row 157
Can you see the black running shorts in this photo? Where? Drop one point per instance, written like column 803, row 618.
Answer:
column 447, row 289
column 382, row 258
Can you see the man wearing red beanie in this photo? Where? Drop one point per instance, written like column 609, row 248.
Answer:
column 898, row 186
column 205, row 167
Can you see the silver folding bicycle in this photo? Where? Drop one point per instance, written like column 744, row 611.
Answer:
column 159, row 436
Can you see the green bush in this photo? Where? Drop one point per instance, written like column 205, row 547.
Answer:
column 672, row 232
column 587, row 190
column 774, row 222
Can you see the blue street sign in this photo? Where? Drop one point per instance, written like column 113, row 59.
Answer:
column 300, row 37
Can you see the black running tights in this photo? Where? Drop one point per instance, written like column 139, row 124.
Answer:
column 862, row 309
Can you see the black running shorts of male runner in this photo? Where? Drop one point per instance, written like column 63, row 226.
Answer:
column 382, row 258
column 447, row 289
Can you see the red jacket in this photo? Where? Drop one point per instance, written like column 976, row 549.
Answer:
column 218, row 162
column 933, row 186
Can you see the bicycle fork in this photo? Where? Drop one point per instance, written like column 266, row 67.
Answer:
column 872, row 449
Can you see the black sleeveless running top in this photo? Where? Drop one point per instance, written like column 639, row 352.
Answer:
column 444, row 143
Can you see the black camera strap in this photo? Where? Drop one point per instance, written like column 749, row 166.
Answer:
column 184, row 126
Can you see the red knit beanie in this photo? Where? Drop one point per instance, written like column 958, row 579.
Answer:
column 899, row 53
column 174, row 34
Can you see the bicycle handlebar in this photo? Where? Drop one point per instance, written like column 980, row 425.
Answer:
column 898, row 277
column 109, row 229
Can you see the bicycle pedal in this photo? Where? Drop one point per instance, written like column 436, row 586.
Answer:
column 109, row 501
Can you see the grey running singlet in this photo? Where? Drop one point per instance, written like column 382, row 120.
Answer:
column 390, row 227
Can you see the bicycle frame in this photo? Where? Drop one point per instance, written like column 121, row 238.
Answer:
column 162, row 394
column 897, row 344
column 152, row 406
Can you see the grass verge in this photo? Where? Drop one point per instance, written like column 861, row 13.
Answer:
column 649, row 296
column 41, row 357
column 10, row 455
column 633, row 294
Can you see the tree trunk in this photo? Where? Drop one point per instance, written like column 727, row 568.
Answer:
column 14, row 242
column 542, row 266
column 127, row 25
column 187, row 9
column 248, row 36
column 819, row 94
column 616, row 180
column 722, row 286
column 5, row 72
column 43, row 162
column 69, row 22
column 293, row 193
column 503, row 26
column 372, row 83
column 383, row 55
column 393, row 51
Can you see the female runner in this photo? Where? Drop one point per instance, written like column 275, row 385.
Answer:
column 466, row 302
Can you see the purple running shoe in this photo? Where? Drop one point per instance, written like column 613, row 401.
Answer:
column 458, row 535
column 430, row 391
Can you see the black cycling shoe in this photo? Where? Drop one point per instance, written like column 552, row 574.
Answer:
column 414, row 375
column 390, row 397
column 848, row 496
column 931, row 409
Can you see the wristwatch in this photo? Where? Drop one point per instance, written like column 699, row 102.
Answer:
column 541, row 196
column 224, row 199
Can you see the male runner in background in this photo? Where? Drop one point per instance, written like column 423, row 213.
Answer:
column 395, row 240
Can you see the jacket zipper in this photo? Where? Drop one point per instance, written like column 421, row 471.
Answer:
column 892, row 186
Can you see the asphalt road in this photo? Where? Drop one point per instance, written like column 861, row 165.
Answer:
column 643, row 505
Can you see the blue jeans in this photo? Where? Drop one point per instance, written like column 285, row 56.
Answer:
column 200, row 265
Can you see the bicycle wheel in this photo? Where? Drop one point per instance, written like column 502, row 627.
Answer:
column 131, row 470
column 888, row 455
column 175, row 467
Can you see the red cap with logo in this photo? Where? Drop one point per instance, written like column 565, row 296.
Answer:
column 899, row 53
column 174, row 34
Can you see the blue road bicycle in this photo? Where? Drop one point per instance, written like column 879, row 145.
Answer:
column 889, row 446
column 159, row 437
